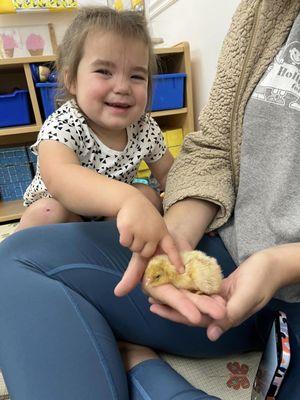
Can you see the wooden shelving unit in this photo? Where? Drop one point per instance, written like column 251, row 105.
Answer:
column 171, row 60
column 11, row 210
column 177, row 59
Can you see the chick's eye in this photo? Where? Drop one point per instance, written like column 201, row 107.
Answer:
column 157, row 276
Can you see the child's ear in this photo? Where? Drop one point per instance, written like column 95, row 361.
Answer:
column 71, row 86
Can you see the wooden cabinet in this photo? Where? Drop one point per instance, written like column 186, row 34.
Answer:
column 172, row 60
column 177, row 59
column 16, row 73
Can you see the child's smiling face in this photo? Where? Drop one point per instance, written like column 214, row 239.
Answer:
column 112, row 80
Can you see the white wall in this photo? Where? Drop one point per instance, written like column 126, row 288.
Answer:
column 203, row 23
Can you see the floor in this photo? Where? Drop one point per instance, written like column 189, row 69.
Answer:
column 229, row 378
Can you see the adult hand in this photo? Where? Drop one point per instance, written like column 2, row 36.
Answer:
column 183, row 306
column 246, row 291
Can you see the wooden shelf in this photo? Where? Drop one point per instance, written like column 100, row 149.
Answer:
column 11, row 210
column 27, row 60
column 163, row 113
column 179, row 48
column 17, row 130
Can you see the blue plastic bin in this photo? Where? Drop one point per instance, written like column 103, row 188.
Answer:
column 48, row 92
column 13, row 155
column 168, row 91
column 14, row 109
column 15, row 173
column 13, row 191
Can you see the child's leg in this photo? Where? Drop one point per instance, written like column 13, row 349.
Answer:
column 151, row 195
column 44, row 212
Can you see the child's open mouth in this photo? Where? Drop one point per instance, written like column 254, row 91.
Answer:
column 118, row 105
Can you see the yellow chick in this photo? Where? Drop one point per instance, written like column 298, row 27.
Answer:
column 202, row 273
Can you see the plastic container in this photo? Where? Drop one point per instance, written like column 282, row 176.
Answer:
column 14, row 109
column 13, row 155
column 168, row 91
column 13, row 191
column 48, row 92
column 173, row 137
column 15, row 173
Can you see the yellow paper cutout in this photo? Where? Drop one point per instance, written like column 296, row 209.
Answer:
column 7, row 6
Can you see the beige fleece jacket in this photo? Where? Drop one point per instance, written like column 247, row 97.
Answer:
column 209, row 163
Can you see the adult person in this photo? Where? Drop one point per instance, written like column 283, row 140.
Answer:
column 60, row 320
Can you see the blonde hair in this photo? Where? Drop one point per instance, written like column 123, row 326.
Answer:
column 129, row 24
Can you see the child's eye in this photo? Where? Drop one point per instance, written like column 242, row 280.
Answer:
column 138, row 77
column 103, row 71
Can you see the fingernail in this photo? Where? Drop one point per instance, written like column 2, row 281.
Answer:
column 215, row 333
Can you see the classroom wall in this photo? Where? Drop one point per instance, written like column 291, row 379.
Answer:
column 203, row 23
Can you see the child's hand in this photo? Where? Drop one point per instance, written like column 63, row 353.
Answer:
column 142, row 228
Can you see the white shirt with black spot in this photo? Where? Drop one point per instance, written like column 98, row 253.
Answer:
column 67, row 125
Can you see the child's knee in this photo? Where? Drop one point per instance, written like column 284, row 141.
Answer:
column 43, row 212
column 47, row 208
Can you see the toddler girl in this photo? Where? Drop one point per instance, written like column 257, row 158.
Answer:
column 89, row 149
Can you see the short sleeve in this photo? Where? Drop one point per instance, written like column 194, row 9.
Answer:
column 155, row 137
column 59, row 127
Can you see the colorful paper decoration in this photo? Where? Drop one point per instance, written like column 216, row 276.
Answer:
column 13, row 6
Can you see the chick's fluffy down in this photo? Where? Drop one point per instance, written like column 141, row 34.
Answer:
column 202, row 273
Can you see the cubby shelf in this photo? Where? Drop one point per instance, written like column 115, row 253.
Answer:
column 174, row 59
column 11, row 210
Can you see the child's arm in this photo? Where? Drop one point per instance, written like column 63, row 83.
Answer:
column 80, row 189
column 85, row 192
column 161, row 168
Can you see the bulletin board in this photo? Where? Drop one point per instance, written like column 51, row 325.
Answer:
column 15, row 6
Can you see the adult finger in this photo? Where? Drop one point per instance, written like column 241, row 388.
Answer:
column 214, row 307
column 239, row 308
column 132, row 275
column 177, row 300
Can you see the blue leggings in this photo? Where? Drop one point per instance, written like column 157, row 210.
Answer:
column 59, row 321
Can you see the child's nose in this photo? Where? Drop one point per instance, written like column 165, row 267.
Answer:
column 122, row 85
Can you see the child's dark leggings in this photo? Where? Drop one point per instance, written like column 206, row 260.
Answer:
column 59, row 321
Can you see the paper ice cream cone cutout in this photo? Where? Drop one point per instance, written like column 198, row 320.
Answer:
column 9, row 45
column 35, row 44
